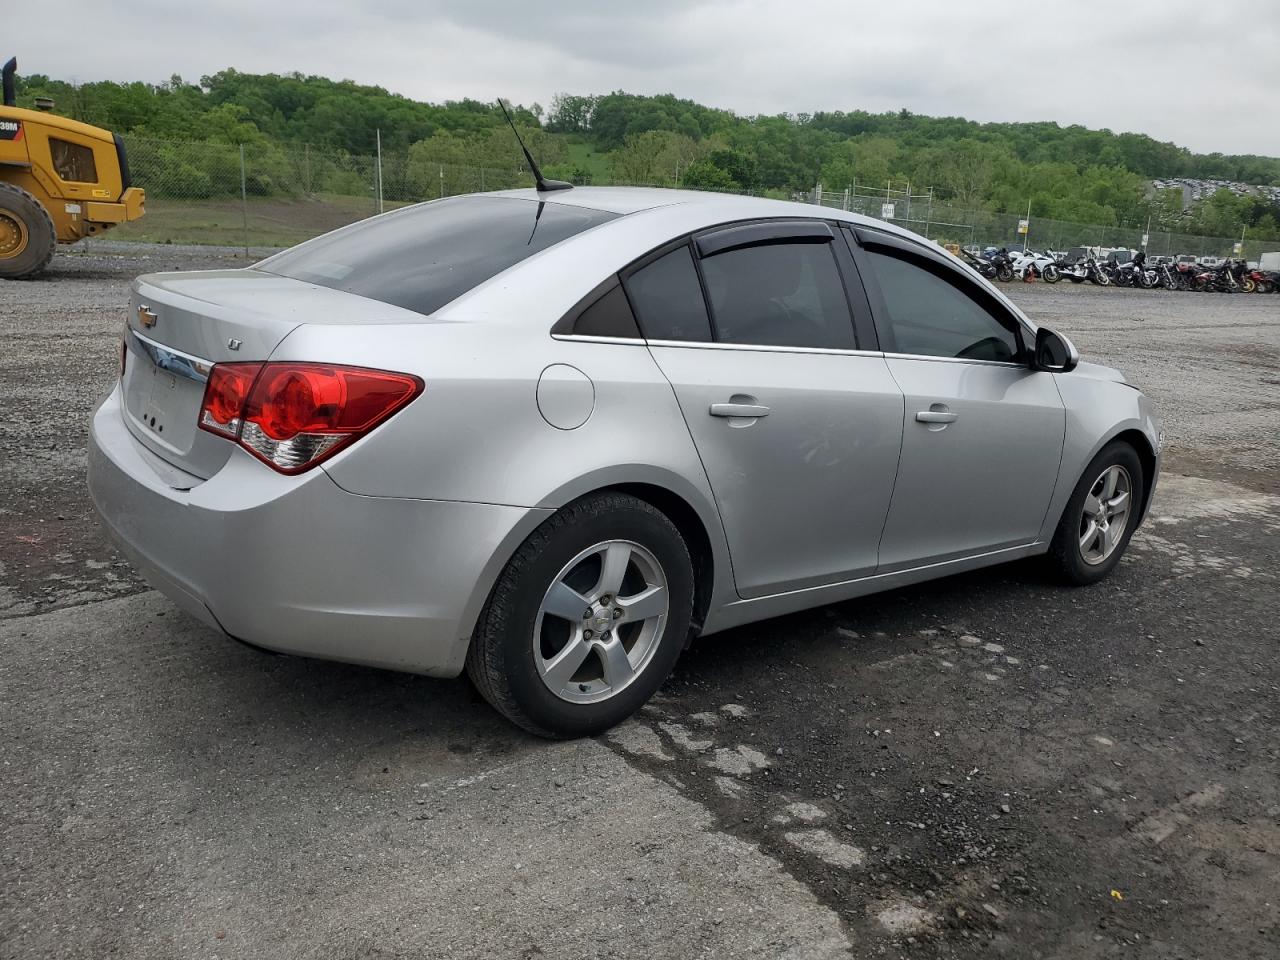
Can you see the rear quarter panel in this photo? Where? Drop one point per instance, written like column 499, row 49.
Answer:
column 476, row 433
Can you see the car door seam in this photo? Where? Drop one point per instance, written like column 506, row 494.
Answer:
column 715, row 499
column 902, row 442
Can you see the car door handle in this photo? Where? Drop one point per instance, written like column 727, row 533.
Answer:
column 739, row 410
column 936, row 416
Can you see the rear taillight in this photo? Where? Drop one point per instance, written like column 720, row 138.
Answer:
column 293, row 415
column 225, row 395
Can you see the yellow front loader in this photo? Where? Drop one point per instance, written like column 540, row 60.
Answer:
column 60, row 181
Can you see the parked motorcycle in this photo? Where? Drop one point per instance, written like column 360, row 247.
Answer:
column 1166, row 278
column 996, row 267
column 1134, row 273
column 1086, row 268
column 1215, row 280
column 1028, row 265
column 1185, row 274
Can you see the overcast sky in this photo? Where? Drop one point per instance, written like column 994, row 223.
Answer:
column 1206, row 76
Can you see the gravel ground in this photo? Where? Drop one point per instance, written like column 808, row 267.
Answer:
column 989, row 765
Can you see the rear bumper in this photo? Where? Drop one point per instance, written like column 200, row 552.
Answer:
column 131, row 206
column 297, row 564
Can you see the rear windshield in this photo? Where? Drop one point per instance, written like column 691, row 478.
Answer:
column 424, row 256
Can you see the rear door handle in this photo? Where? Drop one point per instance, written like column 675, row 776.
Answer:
column 936, row 416
column 739, row 410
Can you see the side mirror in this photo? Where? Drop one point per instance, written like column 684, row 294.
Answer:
column 1054, row 353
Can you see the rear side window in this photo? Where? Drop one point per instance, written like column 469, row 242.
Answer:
column 667, row 298
column 781, row 294
column 425, row 256
column 609, row 316
column 930, row 317
column 73, row 161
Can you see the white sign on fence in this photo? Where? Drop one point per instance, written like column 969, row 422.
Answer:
column 886, row 211
column 1024, row 226
column 1238, row 248
column 1144, row 239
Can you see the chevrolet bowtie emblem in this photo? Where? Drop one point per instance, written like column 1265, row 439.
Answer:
column 146, row 316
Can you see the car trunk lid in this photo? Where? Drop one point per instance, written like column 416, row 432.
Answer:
column 181, row 324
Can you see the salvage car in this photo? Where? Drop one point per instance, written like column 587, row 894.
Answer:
column 550, row 438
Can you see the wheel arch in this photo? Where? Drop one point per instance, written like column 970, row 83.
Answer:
column 680, row 512
column 1147, row 456
column 692, row 511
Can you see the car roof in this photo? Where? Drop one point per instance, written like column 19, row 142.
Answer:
column 718, row 207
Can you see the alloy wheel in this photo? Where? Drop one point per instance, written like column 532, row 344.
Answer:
column 1105, row 514
column 600, row 621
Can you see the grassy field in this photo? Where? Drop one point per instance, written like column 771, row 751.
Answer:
column 584, row 156
column 271, row 222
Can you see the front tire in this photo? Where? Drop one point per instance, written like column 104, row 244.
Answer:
column 1050, row 274
column 586, row 620
column 27, row 236
column 1101, row 516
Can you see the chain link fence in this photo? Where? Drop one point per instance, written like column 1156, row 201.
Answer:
column 272, row 195
column 266, row 195
column 946, row 223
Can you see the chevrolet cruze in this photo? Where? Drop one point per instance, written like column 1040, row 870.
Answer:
column 548, row 438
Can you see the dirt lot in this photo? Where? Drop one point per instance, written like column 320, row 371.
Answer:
column 991, row 765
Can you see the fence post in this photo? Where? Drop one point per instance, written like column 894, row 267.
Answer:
column 846, row 200
column 442, row 180
column 378, row 134
column 244, row 203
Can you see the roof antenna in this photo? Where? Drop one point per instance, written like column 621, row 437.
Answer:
column 542, row 183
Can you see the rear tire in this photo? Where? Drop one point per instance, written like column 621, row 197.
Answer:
column 1079, row 550
column 27, row 236
column 546, row 667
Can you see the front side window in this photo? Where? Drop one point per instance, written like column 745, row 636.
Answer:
column 73, row 161
column 424, row 256
column 667, row 298
column 928, row 316
column 779, row 294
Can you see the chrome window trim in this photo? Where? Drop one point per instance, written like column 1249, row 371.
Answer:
column 589, row 338
column 925, row 356
column 763, row 348
column 172, row 361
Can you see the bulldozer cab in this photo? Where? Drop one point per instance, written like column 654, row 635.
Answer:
column 60, row 181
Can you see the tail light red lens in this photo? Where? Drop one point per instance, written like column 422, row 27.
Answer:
column 294, row 415
column 225, row 396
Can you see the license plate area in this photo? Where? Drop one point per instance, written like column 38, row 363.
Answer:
column 163, row 391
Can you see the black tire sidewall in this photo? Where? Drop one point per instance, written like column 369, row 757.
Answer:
column 41, row 236
column 1066, row 547
column 643, row 526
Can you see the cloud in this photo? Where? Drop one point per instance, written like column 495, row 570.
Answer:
column 1120, row 67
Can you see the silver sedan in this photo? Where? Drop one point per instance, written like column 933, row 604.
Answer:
column 549, row 438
